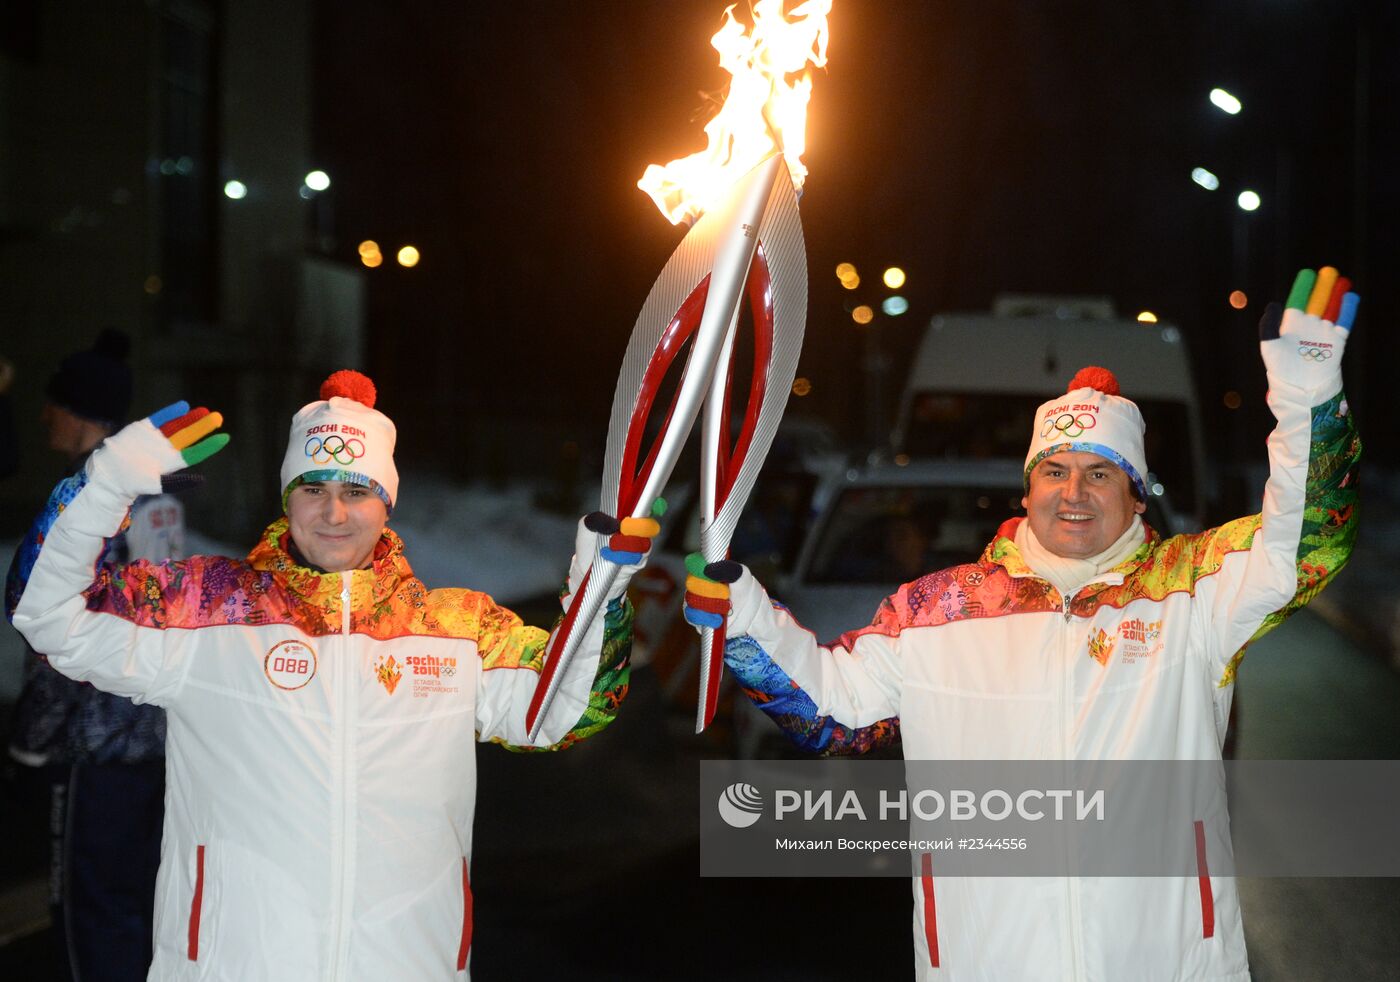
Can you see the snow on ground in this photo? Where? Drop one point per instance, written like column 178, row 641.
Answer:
column 495, row 541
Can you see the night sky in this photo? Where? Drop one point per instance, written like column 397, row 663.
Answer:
column 986, row 147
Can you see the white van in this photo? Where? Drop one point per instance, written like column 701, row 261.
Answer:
column 977, row 379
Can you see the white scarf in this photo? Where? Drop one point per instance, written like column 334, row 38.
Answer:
column 1070, row 575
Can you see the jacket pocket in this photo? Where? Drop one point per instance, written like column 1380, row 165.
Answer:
column 1203, row 877
column 196, row 904
column 930, row 911
column 464, row 947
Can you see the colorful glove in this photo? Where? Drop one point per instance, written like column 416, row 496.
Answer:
column 1302, row 345
column 630, row 538
column 707, row 590
column 141, row 454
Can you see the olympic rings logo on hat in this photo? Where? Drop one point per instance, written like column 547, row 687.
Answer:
column 1069, row 424
column 1315, row 353
column 334, row 448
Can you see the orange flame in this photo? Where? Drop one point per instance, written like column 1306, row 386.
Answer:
column 763, row 114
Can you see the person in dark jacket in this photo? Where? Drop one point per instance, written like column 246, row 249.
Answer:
column 97, row 759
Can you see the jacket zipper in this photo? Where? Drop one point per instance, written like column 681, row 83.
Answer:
column 345, row 696
column 1067, row 750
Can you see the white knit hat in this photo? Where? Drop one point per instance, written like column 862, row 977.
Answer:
column 342, row 438
column 1091, row 417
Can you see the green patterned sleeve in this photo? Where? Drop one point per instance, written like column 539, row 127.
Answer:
column 609, row 685
column 1329, row 512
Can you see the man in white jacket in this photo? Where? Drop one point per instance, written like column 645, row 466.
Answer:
column 323, row 705
column 1079, row 635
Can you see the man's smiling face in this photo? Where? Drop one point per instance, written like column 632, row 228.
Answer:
column 1079, row 503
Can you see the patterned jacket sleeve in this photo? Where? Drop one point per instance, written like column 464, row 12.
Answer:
column 512, row 655
column 836, row 700
column 59, row 586
column 1272, row 564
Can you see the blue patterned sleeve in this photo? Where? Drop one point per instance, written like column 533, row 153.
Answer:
column 772, row 690
column 28, row 553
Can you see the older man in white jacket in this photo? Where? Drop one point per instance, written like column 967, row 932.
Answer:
column 1079, row 635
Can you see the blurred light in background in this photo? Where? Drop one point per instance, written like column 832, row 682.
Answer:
column 153, row 284
column 318, row 180
column 844, row 270
column 1232, row 400
column 1225, row 101
column 408, row 256
column 1238, row 300
column 370, row 254
column 895, row 305
column 1147, row 317
column 1248, row 200
column 801, row 386
column 236, row 190
column 1205, row 178
column 894, row 277
column 862, row 314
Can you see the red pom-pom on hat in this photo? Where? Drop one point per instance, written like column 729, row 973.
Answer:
column 1094, row 377
column 350, row 384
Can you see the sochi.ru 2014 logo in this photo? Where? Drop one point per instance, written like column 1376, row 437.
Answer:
column 740, row 805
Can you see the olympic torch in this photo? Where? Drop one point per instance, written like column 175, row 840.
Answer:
column 745, row 242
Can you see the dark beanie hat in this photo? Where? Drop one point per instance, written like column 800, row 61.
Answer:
column 95, row 384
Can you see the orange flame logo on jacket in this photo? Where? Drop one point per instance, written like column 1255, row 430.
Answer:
column 388, row 672
column 1101, row 646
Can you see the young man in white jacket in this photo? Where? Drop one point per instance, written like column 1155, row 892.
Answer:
column 1079, row 635
column 323, row 705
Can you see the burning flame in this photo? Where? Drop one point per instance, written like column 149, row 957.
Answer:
column 764, row 113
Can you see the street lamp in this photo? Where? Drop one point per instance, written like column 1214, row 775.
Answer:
column 1225, row 102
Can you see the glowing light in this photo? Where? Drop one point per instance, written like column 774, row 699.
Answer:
column 764, row 113
column 844, row 270
column 408, row 256
column 1157, row 489
column 368, row 246
column 1238, row 299
column 895, row 305
column 372, row 259
column 153, row 285
column 901, row 460
column 1225, row 101
column 850, row 282
column 236, row 190
column 1249, row 200
column 863, row 314
column 184, row 166
column 1147, row 317
column 318, row 180
column 801, row 387
column 1205, row 178
column 894, row 277
column 1232, row 400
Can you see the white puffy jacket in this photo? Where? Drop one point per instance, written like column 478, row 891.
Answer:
column 321, row 771
column 988, row 662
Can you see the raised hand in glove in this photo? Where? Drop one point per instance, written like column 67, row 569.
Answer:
column 138, row 458
column 1302, row 344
